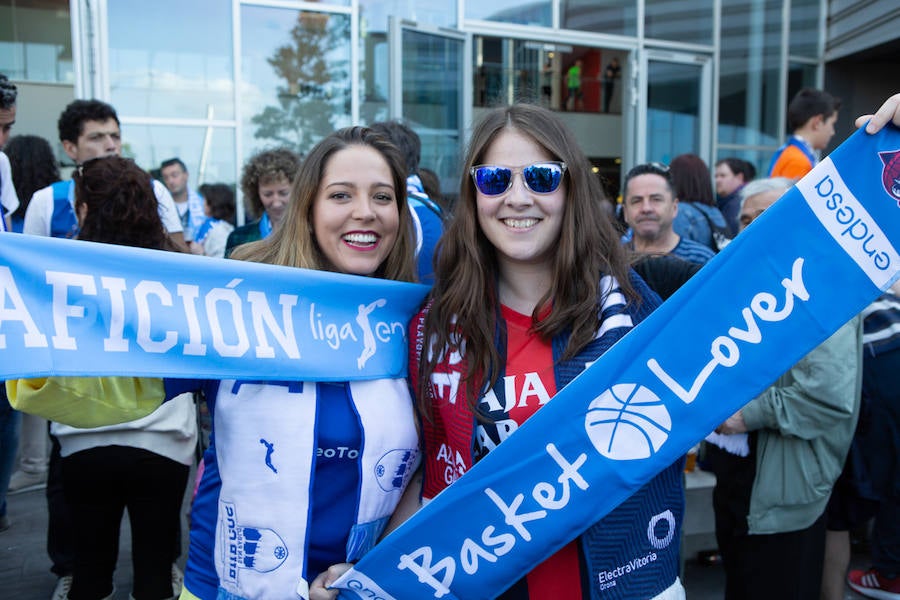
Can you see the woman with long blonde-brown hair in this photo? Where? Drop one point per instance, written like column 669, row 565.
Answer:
column 288, row 470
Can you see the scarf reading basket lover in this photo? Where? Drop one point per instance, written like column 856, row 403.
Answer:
column 814, row 259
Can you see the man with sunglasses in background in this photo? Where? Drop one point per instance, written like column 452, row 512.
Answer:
column 649, row 206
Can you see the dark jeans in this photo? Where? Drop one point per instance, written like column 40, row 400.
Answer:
column 778, row 566
column 100, row 483
column 60, row 545
column 878, row 440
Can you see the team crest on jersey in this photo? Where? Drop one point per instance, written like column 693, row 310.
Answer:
column 890, row 175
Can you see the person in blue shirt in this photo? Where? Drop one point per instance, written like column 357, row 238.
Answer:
column 426, row 212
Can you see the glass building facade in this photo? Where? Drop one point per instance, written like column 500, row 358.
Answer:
column 213, row 81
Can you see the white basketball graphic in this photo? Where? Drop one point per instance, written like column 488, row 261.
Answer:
column 627, row 422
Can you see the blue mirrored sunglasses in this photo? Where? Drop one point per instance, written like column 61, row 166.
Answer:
column 540, row 178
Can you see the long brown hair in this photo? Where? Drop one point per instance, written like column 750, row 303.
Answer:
column 293, row 244
column 464, row 300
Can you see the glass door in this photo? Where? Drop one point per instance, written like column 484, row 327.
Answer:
column 675, row 111
column 429, row 89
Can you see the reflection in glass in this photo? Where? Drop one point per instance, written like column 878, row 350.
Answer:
column 804, row 37
column 208, row 153
column 673, row 109
column 799, row 77
column 600, row 16
column 432, row 88
column 523, row 12
column 680, row 21
column 374, row 59
column 749, row 104
column 508, row 70
column 296, row 77
column 172, row 59
column 373, row 14
column 36, row 41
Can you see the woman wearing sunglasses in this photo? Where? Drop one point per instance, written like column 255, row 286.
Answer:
column 532, row 285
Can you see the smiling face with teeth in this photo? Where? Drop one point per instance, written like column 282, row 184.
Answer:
column 355, row 215
column 523, row 226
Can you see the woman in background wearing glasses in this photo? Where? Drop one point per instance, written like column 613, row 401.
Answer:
column 532, row 283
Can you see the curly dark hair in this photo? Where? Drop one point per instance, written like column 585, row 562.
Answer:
column 33, row 166
column 121, row 206
column 71, row 121
column 220, row 199
column 266, row 167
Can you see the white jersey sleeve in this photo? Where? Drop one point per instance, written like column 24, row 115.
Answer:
column 39, row 213
column 8, row 196
column 167, row 211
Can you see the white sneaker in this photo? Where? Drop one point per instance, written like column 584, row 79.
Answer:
column 24, row 481
column 63, row 585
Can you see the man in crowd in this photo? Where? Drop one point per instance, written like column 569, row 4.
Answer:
column 811, row 117
column 610, row 74
column 87, row 129
column 772, row 535
column 649, row 207
column 426, row 213
column 732, row 174
column 188, row 202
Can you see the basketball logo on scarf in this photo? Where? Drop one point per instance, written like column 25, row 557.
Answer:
column 890, row 176
column 627, row 422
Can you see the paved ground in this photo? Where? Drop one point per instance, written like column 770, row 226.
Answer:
column 24, row 565
column 25, row 568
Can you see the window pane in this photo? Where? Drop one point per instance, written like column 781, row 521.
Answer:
column 799, row 77
column 208, row 153
column 508, row 70
column 373, row 14
column 673, row 110
column 805, row 28
column 539, row 12
column 748, row 103
column 296, row 77
column 600, row 16
column 36, row 41
column 166, row 66
column 374, row 60
column 432, row 86
column 680, row 21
